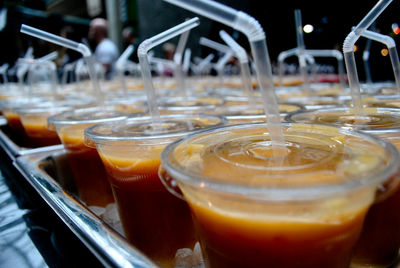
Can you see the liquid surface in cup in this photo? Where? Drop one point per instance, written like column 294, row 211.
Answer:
column 154, row 220
column 239, row 230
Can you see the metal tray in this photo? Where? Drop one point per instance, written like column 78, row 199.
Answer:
column 48, row 172
column 14, row 150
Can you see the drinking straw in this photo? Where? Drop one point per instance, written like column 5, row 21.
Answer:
column 83, row 49
column 203, row 64
column 365, row 56
column 49, row 57
column 186, row 60
column 241, row 54
column 69, row 67
column 3, row 71
column 144, row 48
column 227, row 51
column 214, row 45
column 348, row 51
column 391, row 45
column 301, row 54
column 120, row 65
column 289, row 53
column 254, row 32
column 178, row 71
column 331, row 53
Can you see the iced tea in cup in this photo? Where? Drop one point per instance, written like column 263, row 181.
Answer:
column 379, row 243
column 34, row 121
column 304, row 208
column 86, row 166
column 154, row 220
column 8, row 106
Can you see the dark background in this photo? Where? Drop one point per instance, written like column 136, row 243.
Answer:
column 332, row 21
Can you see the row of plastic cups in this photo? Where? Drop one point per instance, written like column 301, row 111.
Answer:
column 128, row 151
column 313, row 197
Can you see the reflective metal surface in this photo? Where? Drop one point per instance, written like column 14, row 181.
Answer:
column 104, row 242
column 16, row 247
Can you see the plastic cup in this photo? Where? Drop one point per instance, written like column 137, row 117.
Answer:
column 15, row 127
column 244, row 114
column 34, row 120
column 379, row 243
column 86, row 166
column 191, row 105
column 154, row 220
column 302, row 209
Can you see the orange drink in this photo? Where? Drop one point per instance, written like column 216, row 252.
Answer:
column 302, row 205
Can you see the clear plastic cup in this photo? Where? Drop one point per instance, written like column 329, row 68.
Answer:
column 304, row 208
column 34, row 120
column 379, row 243
column 193, row 104
column 244, row 114
column 15, row 127
column 154, row 220
column 86, row 166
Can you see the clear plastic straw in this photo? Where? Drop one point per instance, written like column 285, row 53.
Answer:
column 214, row 45
column 120, row 65
column 301, row 53
column 3, row 71
column 334, row 54
column 144, row 48
column 49, row 57
column 289, row 53
column 348, row 51
column 226, row 50
column 186, row 60
column 220, row 65
column 178, row 70
column 391, row 45
column 241, row 54
column 200, row 68
column 83, row 49
column 254, row 32
column 365, row 57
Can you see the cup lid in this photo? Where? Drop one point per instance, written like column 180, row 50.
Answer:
column 318, row 161
column 144, row 128
column 94, row 115
column 374, row 118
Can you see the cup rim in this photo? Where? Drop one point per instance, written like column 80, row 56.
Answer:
column 90, row 132
column 289, row 117
column 280, row 194
column 61, row 119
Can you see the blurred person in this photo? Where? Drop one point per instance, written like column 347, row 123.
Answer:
column 106, row 52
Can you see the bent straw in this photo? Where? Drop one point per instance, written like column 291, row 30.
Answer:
column 301, row 53
column 244, row 65
column 83, row 49
column 254, row 32
column 144, row 48
column 289, row 53
column 120, row 65
column 178, row 69
column 391, row 45
column 348, row 51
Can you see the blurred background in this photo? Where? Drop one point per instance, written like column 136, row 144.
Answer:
column 326, row 25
